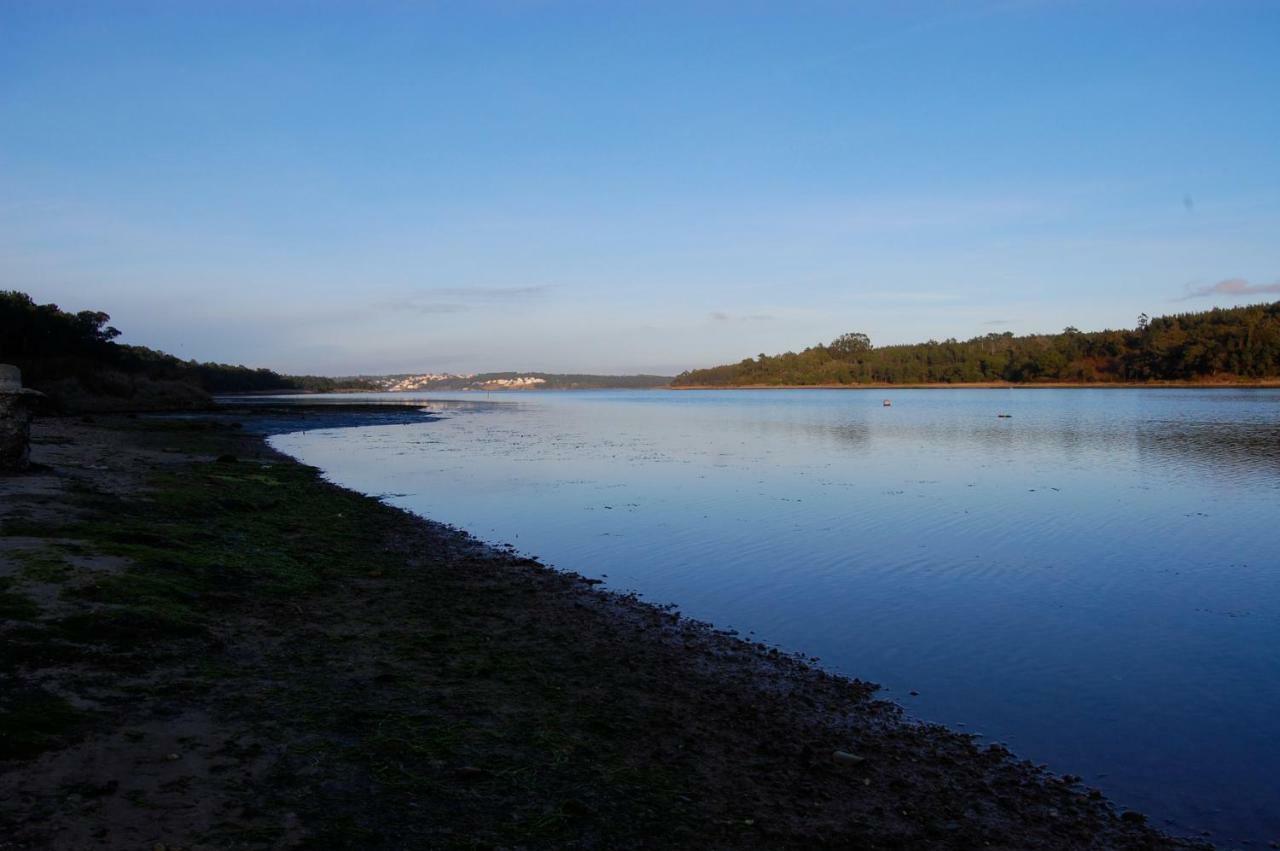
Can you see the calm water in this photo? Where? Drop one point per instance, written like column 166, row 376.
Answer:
column 1094, row 581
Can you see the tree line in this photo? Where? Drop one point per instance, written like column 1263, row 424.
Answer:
column 1223, row 344
column 53, row 348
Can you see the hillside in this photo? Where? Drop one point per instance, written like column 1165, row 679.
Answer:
column 1220, row 345
column 73, row 357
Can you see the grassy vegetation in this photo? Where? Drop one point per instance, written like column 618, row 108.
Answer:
column 32, row 721
column 213, row 540
column 202, row 540
column 187, row 563
column 13, row 605
column 46, row 565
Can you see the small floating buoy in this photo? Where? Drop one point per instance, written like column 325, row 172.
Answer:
column 888, row 404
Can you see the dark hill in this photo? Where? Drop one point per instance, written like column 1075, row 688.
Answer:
column 73, row 357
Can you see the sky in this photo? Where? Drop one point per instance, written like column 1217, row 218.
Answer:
column 377, row 187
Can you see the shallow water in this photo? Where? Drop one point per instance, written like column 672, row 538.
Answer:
column 1094, row 581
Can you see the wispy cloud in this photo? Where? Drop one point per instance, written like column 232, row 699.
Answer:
column 721, row 316
column 1231, row 287
column 909, row 296
column 998, row 322
column 428, row 307
column 461, row 299
column 487, row 293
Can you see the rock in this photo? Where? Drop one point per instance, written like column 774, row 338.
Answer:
column 1133, row 817
column 15, row 419
column 846, row 758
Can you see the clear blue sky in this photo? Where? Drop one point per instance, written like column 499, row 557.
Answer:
column 371, row 187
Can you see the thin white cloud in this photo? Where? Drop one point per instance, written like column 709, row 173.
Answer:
column 427, row 307
column 1232, row 287
column 436, row 300
column 909, row 296
column 721, row 316
column 486, row 293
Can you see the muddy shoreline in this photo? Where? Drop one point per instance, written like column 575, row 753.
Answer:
column 245, row 656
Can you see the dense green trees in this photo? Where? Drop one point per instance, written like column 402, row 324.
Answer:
column 1220, row 344
column 56, row 349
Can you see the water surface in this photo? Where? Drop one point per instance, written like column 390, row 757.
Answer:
column 1094, row 581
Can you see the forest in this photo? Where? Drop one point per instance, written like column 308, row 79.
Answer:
column 1219, row 345
column 74, row 357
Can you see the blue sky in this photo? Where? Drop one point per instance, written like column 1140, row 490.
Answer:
column 387, row 187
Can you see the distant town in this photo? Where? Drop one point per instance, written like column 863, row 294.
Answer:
column 509, row 381
column 416, row 382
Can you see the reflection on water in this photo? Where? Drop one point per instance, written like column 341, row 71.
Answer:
column 1093, row 581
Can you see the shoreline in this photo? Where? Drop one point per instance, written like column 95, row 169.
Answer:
column 1000, row 385
column 458, row 683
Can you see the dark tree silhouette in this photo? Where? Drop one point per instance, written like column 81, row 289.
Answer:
column 51, row 345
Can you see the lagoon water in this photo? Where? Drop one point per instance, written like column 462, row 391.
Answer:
column 1094, row 581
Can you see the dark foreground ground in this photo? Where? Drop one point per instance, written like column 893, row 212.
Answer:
column 205, row 652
